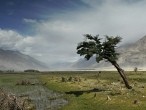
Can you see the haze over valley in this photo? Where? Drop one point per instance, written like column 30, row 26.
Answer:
column 50, row 30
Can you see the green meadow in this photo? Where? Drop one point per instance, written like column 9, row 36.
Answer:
column 79, row 90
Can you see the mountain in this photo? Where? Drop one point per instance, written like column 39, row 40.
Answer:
column 131, row 55
column 14, row 60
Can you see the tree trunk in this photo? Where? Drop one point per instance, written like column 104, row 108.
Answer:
column 122, row 74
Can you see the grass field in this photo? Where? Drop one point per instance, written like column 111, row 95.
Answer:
column 104, row 91
column 84, row 90
column 29, row 86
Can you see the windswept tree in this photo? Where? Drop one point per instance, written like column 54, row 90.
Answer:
column 105, row 50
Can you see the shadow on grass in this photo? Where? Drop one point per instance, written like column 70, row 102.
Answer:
column 78, row 93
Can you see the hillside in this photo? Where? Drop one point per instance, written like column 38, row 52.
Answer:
column 14, row 60
column 131, row 55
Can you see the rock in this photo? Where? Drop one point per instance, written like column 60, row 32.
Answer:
column 108, row 98
column 135, row 102
column 70, row 79
column 63, row 79
column 95, row 95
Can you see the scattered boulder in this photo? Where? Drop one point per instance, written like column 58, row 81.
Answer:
column 77, row 79
column 23, row 82
column 71, row 79
column 108, row 98
column 26, row 82
column 135, row 101
column 63, row 79
column 95, row 95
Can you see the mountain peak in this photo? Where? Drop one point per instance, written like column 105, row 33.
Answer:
column 140, row 44
column 15, row 60
column 143, row 38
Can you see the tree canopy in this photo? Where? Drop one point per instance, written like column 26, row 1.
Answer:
column 103, row 50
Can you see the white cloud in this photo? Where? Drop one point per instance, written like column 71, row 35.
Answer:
column 9, row 38
column 29, row 20
column 56, row 39
column 114, row 17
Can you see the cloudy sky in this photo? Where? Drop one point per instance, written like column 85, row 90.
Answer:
column 49, row 30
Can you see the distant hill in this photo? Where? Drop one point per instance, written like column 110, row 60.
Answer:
column 14, row 60
column 131, row 55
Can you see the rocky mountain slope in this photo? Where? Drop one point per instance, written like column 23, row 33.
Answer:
column 14, row 60
column 131, row 55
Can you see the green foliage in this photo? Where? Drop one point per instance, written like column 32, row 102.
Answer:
column 103, row 50
column 121, row 98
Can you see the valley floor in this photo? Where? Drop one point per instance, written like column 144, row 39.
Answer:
column 82, row 90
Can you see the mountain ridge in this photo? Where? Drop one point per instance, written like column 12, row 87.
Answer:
column 131, row 55
column 15, row 60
